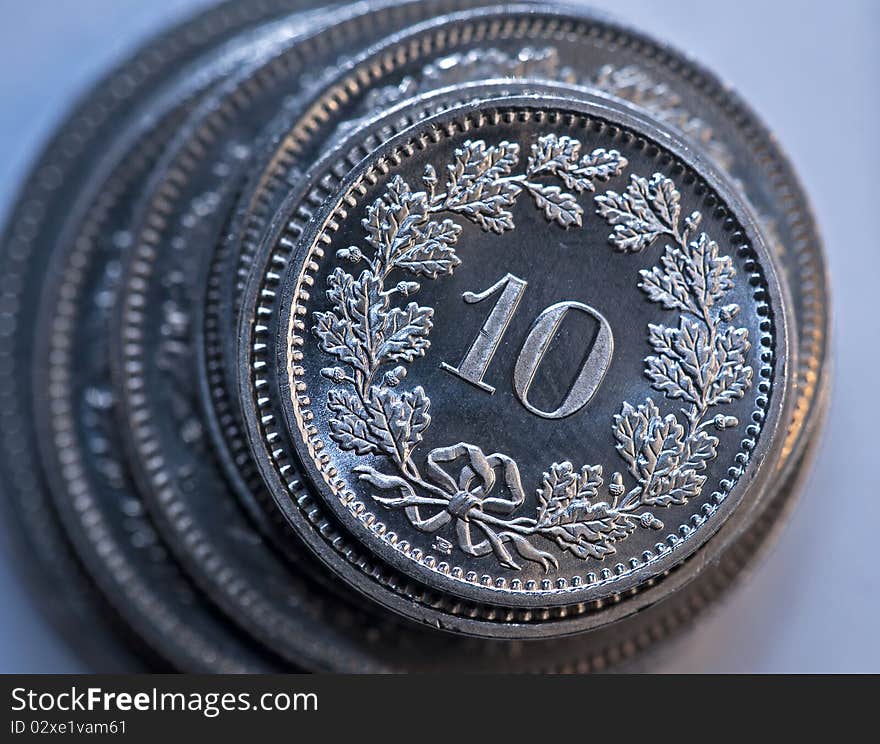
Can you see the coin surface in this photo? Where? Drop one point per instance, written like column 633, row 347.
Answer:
column 509, row 320
column 449, row 508
column 563, row 46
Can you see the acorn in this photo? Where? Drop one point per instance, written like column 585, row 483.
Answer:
column 352, row 253
column 407, row 288
column 723, row 422
column 393, row 377
column 335, row 374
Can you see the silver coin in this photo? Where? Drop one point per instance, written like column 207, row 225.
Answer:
column 398, row 646
column 75, row 403
column 502, row 504
column 564, row 46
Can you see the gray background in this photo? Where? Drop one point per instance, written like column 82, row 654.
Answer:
column 811, row 70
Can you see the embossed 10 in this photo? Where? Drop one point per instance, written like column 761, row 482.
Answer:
column 476, row 361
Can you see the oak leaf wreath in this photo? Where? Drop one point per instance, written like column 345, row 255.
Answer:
column 700, row 362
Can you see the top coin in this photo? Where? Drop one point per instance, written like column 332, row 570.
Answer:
column 532, row 353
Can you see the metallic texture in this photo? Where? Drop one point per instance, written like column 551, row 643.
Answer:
column 404, row 337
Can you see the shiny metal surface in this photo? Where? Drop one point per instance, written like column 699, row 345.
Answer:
column 335, row 416
column 530, row 394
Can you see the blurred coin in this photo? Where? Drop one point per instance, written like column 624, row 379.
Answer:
column 76, row 418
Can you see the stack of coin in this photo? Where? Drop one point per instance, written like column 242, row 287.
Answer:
column 404, row 336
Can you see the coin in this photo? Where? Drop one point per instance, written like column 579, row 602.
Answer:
column 555, row 45
column 460, row 658
column 530, row 547
column 107, row 525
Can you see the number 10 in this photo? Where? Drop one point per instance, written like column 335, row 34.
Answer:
column 475, row 363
